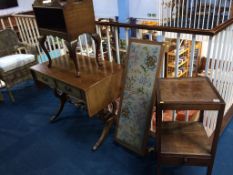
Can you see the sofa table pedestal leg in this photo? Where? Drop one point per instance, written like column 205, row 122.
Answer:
column 63, row 98
column 109, row 119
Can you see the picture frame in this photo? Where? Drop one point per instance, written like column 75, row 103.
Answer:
column 142, row 68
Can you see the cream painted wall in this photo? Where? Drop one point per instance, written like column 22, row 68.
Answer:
column 23, row 5
column 103, row 8
column 141, row 8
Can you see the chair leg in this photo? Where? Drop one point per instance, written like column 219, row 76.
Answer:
column 10, row 94
column 158, row 169
column 209, row 170
column 1, row 97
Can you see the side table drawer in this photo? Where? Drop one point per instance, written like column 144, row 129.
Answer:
column 186, row 160
column 75, row 92
column 45, row 79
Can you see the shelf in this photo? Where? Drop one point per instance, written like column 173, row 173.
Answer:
column 180, row 75
column 173, row 53
column 181, row 64
column 184, row 138
column 183, row 73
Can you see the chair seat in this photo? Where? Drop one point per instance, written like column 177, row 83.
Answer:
column 11, row 62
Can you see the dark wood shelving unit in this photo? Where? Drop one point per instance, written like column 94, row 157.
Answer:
column 177, row 139
column 187, row 143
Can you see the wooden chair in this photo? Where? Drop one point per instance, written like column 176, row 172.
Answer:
column 15, row 60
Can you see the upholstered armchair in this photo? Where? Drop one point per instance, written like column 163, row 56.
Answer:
column 15, row 60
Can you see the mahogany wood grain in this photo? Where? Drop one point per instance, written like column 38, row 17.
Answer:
column 184, row 138
column 187, row 143
column 188, row 93
column 95, row 89
column 222, row 26
column 100, row 85
column 79, row 17
column 75, row 18
column 62, row 98
column 209, row 32
column 67, row 20
column 158, row 28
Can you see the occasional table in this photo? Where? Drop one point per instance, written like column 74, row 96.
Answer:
column 186, row 143
column 96, row 88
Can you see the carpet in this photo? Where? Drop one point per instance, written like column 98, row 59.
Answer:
column 30, row 145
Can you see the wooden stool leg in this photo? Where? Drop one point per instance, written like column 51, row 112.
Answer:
column 2, row 85
column 42, row 40
column 97, row 41
column 72, row 50
column 10, row 95
column 1, row 97
column 209, row 170
column 158, row 168
column 201, row 118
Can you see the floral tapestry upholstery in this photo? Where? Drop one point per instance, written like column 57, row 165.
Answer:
column 143, row 61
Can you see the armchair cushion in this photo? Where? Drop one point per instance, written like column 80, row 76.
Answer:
column 11, row 62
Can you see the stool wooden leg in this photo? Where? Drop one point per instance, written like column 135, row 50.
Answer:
column 42, row 40
column 158, row 169
column 10, row 95
column 209, row 170
column 1, row 97
column 158, row 165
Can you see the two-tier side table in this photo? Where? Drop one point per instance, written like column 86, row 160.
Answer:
column 187, row 143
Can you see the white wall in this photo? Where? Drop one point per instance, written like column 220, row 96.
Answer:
column 105, row 8
column 141, row 8
column 23, row 5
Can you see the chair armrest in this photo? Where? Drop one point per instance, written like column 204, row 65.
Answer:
column 28, row 48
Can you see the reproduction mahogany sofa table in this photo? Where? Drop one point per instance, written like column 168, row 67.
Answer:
column 96, row 88
column 187, row 142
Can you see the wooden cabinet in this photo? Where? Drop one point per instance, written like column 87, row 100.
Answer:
column 65, row 18
column 187, row 143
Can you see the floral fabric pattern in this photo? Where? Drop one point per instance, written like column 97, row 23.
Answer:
column 139, row 85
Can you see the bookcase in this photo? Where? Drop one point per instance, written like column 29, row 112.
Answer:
column 184, row 57
column 184, row 60
column 187, row 143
